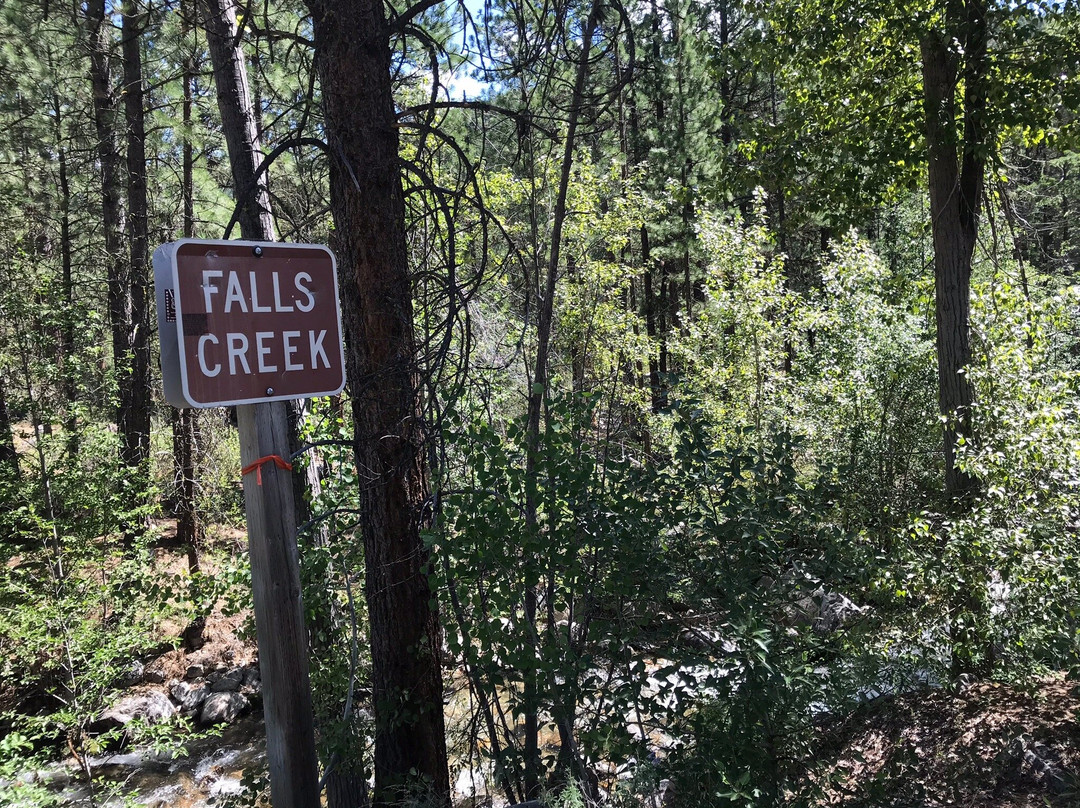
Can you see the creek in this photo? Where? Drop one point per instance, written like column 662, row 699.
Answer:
column 205, row 773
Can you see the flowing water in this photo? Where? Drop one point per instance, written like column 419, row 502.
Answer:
column 204, row 774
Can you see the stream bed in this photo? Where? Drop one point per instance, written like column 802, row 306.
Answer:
column 204, row 774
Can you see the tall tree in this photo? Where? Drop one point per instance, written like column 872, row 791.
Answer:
column 539, row 393
column 127, row 274
column 185, row 422
column 954, row 73
column 352, row 40
column 274, row 555
column 962, row 74
column 134, row 373
column 110, row 166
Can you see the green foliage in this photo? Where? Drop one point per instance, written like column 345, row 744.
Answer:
column 847, row 365
column 685, row 538
column 77, row 606
column 755, row 538
column 331, row 571
column 994, row 582
column 733, row 349
column 594, row 559
column 663, row 593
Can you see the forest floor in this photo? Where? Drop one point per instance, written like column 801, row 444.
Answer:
column 988, row 745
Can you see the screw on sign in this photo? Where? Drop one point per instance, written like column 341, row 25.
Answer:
column 242, row 322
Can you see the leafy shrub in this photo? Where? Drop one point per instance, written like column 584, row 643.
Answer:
column 993, row 581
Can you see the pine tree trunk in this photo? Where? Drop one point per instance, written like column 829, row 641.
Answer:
column 539, row 392
column 656, row 390
column 240, row 123
column 268, row 427
column 185, row 425
column 9, row 457
column 238, row 119
column 134, row 417
column 109, row 164
column 353, row 58
column 66, row 343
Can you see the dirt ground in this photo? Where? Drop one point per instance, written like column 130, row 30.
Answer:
column 989, row 746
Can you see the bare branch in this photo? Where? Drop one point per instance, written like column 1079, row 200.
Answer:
column 522, row 117
column 398, row 23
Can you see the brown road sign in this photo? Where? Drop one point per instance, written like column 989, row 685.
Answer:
column 243, row 322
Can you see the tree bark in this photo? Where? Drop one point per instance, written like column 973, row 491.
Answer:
column 109, row 163
column 538, row 392
column 955, row 174
column 656, row 390
column 240, row 123
column 66, row 342
column 134, row 376
column 238, row 119
column 9, row 457
column 185, row 424
column 353, row 58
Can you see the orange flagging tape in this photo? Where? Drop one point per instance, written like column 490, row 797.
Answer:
column 258, row 464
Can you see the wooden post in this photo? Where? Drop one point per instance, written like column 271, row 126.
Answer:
column 279, row 612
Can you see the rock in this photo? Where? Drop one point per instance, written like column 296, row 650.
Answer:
column 214, row 676
column 665, row 793
column 193, row 635
column 133, row 674
column 1046, row 765
column 229, row 681
column 1026, row 758
column 966, row 681
column 154, row 676
column 189, row 696
column 706, row 641
column 766, row 583
column 154, row 707
column 803, row 612
column 223, row 708
column 252, row 684
column 836, row 611
column 998, row 593
column 195, row 671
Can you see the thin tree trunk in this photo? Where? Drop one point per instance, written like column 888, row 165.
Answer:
column 238, row 119
column 9, row 457
column 268, row 426
column 656, row 392
column 134, row 418
column 727, row 99
column 109, row 164
column 66, row 346
column 185, row 426
column 955, row 193
column 346, row 781
column 684, row 172
column 538, row 393
column 353, row 58
column 648, row 293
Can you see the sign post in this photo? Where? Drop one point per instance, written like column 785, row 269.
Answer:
column 254, row 324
